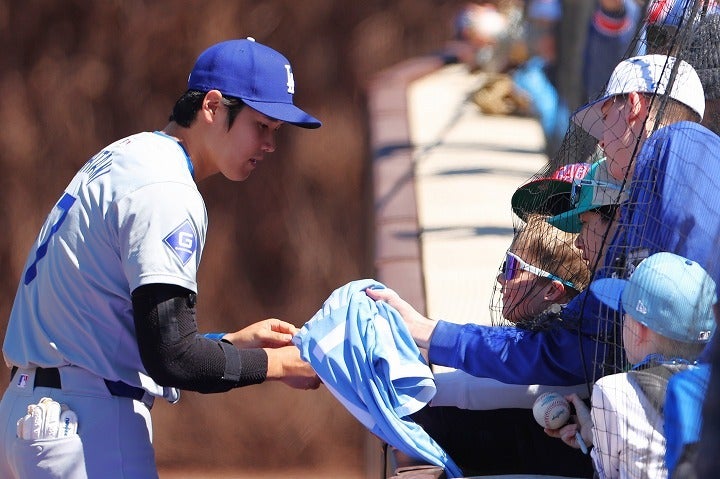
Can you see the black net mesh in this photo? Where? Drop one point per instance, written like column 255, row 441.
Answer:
column 659, row 173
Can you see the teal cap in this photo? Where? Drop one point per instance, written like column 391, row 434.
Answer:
column 595, row 190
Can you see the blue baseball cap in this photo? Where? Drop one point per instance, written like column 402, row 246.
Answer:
column 258, row 75
column 668, row 293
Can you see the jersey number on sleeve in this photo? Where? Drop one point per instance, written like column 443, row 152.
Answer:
column 62, row 206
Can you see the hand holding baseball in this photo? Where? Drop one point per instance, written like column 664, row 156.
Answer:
column 551, row 410
column 576, row 434
column 582, row 419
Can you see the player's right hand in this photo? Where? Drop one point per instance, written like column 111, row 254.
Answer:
column 286, row 365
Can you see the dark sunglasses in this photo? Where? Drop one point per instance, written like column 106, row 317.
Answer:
column 513, row 263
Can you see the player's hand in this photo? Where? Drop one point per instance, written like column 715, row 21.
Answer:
column 420, row 327
column 268, row 333
column 286, row 365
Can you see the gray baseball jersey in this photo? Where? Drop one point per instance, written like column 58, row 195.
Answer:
column 131, row 216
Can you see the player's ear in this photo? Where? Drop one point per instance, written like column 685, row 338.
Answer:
column 210, row 105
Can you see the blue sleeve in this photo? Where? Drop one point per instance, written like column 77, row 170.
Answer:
column 214, row 336
column 512, row 355
column 577, row 351
column 683, row 411
column 674, row 203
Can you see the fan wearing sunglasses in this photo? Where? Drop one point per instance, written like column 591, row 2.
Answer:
column 542, row 268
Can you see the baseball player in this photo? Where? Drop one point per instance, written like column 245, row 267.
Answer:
column 104, row 316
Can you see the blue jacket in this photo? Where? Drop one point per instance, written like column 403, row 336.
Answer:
column 574, row 352
column 683, row 411
column 674, row 202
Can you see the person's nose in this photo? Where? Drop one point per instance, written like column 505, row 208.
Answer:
column 579, row 242
column 601, row 143
column 269, row 142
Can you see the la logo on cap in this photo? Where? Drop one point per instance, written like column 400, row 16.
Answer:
column 291, row 79
column 253, row 73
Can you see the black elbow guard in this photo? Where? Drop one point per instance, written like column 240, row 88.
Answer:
column 244, row 366
column 173, row 352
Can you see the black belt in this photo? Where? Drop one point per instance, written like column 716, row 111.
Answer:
column 50, row 378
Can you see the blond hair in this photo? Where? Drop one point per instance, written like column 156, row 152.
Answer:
column 542, row 245
column 665, row 110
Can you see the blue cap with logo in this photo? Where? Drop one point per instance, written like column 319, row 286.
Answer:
column 258, row 75
column 668, row 293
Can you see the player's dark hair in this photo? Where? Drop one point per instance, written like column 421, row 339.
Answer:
column 187, row 106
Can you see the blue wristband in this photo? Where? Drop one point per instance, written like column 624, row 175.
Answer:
column 214, row 336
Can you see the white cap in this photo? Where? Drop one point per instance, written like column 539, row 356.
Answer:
column 644, row 74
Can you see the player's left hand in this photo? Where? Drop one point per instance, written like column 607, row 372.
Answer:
column 268, row 333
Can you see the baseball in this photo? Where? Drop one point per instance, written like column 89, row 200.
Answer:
column 551, row 410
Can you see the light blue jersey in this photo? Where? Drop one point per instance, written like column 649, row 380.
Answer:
column 366, row 357
column 131, row 216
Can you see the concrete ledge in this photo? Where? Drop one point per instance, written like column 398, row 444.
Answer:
column 397, row 233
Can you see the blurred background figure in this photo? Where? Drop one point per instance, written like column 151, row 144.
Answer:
column 479, row 31
column 536, row 78
column 669, row 24
column 611, row 30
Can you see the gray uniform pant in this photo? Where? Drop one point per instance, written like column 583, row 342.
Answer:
column 114, row 439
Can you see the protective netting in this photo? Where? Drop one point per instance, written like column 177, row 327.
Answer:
column 635, row 178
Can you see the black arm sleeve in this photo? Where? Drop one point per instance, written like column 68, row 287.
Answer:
column 175, row 355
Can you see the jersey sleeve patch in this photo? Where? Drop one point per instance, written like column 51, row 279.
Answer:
column 183, row 241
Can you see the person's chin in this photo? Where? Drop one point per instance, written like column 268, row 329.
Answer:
column 509, row 316
column 240, row 175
